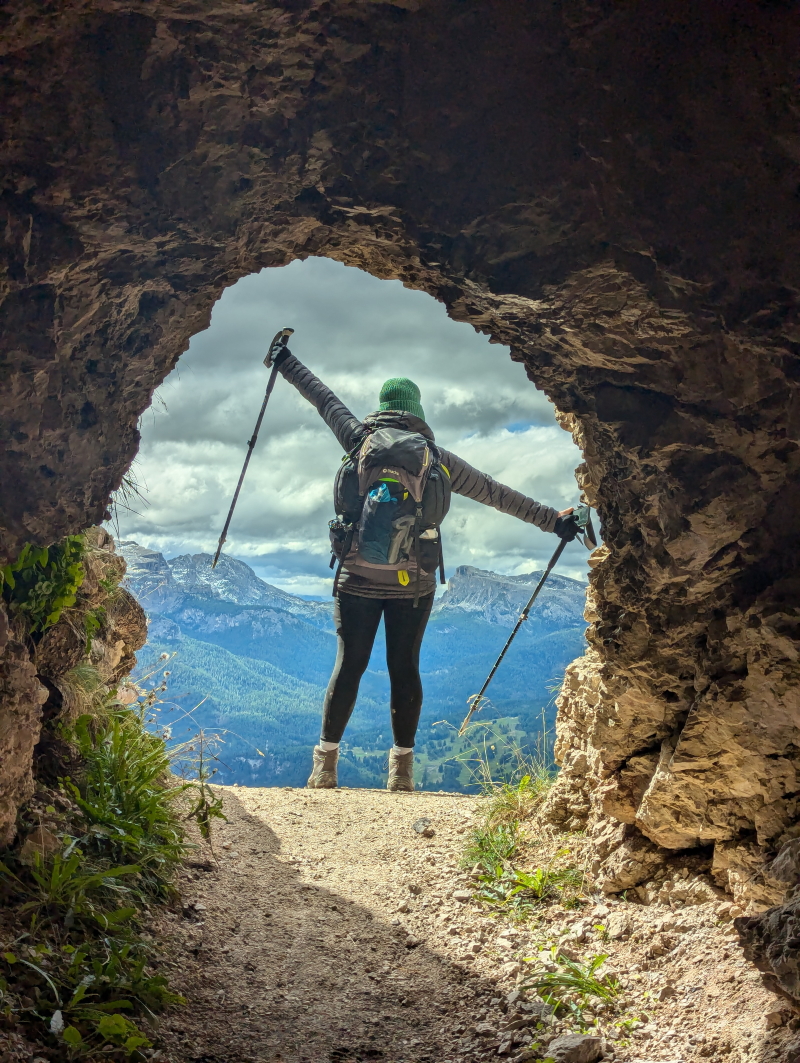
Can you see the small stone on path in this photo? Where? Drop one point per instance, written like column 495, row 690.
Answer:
column 575, row 1048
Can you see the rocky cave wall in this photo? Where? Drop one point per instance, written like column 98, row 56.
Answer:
column 612, row 190
column 43, row 690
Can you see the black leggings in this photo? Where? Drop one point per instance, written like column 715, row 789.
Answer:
column 357, row 622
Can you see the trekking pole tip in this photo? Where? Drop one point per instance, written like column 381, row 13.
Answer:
column 216, row 555
column 475, row 702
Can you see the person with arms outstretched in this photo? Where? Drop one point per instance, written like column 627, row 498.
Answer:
column 391, row 493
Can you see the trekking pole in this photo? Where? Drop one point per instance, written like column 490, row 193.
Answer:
column 584, row 522
column 279, row 340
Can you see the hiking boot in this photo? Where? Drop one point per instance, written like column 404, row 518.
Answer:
column 401, row 772
column 323, row 774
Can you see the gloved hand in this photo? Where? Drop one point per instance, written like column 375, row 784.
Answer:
column 567, row 527
column 280, row 354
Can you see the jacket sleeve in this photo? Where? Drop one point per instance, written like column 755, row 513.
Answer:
column 465, row 480
column 345, row 426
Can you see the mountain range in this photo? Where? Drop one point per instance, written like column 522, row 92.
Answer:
column 250, row 662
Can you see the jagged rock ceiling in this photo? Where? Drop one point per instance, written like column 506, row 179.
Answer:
column 613, row 190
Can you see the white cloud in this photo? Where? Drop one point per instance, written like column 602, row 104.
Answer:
column 354, row 331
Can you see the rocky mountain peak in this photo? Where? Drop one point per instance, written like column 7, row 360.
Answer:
column 163, row 585
column 500, row 599
column 231, row 580
column 148, row 576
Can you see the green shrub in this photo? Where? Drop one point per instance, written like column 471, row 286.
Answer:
column 43, row 581
column 80, row 975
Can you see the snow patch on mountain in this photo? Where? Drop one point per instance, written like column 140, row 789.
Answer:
column 149, row 577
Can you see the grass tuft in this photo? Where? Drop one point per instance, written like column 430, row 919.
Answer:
column 571, row 986
column 518, row 892
column 130, row 496
column 491, row 845
column 509, row 834
column 515, row 777
column 127, row 795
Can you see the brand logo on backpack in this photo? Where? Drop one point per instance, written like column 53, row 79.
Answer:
column 391, row 495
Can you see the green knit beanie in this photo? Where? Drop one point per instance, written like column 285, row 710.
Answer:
column 401, row 394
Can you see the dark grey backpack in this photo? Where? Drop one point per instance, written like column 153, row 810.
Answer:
column 391, row 495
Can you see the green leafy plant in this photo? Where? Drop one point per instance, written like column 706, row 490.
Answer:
column 601, row 931
column 93, row 620
column 626, row 1026
column 81, row 974
column 43, row 581
column 81, row 961
column 574, row 984
column 86, row 986
column 519, row 891
column 63, row 887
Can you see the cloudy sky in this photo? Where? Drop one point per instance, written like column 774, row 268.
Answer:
column 354, row 332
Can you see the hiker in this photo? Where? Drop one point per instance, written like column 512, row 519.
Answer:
column 391, row 577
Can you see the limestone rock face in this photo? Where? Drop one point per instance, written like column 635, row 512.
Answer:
column 36, row 688
column 21, row 700
column 772, row 942
column 60, row 649
column 615, row 197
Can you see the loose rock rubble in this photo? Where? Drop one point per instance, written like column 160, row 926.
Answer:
column 324, row 928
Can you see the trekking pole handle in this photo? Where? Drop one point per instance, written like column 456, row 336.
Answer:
column 280, row 339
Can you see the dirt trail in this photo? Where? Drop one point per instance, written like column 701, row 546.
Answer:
column 327, row 931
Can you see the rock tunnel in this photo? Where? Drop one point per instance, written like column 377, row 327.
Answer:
column 611, row 190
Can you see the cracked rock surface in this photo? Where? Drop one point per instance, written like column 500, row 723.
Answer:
column 37, row 691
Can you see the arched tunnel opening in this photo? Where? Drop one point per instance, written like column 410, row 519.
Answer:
column 609, row 191
column 354, row 332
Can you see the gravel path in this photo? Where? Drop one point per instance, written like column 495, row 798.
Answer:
column 326, row 929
